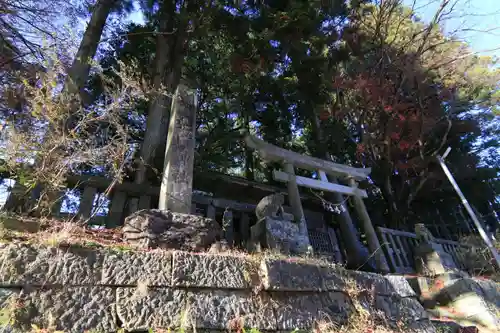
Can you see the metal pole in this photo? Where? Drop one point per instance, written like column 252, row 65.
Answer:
column 469, row 209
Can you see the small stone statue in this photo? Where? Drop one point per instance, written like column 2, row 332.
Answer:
column 423, row 234
column 271, row 206
column 218, row 247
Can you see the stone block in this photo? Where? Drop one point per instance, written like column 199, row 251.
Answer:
column 128, row 268
column 333, row 278
column 374, row 283
column 421, row 326
column 281, row 235
column 301, row 310
column 42, row 266
column 287, row 275
column 398, row 309
column 469, row 302
column 213, row 271
column 491, row 291
column 421, row 286
column 19, row 224
column 69, row 309
column 154, row 228
column 398, row 285
column 472, row 308
column 446, row 259
column 139, row 309
column 218, row 309
column 456, row 288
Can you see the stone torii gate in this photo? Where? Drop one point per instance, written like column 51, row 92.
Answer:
column 291, row 160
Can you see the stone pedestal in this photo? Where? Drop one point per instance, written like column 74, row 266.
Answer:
column 154, row 228
column 285, row 236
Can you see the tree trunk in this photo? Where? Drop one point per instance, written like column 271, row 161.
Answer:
column 392, row 206
column 160, row 103
column 79, row 71
column 249, row 160
column 169, row 58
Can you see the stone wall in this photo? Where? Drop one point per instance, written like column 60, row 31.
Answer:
column 102, row 290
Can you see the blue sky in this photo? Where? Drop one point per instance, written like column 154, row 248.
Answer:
column 475, row 21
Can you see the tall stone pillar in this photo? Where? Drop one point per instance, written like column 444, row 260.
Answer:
column 177, row 179
column 371, row 235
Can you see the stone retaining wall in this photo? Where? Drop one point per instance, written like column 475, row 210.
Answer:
column 103, row 290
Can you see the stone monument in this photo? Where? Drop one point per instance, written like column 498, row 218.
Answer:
column 276, row 229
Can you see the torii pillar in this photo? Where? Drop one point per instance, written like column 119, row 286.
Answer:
column 371, row 235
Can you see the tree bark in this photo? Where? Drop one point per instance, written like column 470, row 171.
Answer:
column 169, row 58
column 249, row 160
column 79, row 71
column 160, row 103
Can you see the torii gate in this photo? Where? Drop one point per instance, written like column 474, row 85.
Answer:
column 290, row 160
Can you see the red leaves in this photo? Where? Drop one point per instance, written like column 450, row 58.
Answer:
column 404, row 145
column 395, row 136
column 360, row 149
column 338, row 82
column 262, row 62
column 325, row 114
column 241, row 65
column 236, row 63
column 401, row 165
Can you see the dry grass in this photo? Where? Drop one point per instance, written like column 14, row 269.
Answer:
column 51, row 133
column 363, row 317
column 58, row 233
column 478, row 258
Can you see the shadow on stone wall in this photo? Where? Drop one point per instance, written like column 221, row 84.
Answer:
column 104, row 290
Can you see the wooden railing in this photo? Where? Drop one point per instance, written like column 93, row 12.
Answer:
column 399, row 248
column 455, row 249
column 123, row 193
column 117, row 207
